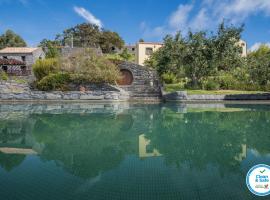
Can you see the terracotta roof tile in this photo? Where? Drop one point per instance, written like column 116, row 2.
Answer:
column 18, row 50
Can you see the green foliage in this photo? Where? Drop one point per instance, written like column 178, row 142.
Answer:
column 50, row 48
column 11, row 39
column 141, row 40
column 125, row 55
column 88, row 67
column 109, row 41
column 169, row 78
column 56, row 81
column 3, row 76
column 210, row 83
column 90, row 35
column 44, row 67
column 199, row 55
column 259, row 65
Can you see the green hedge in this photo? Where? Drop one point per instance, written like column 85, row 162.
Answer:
column 56, row 81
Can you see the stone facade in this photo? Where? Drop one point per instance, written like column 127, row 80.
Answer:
column 23, row 54
column 14, row 91
column 145, row 81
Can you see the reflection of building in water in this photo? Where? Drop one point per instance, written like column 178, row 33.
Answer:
column 241, row 156
column 145, row 149
column 23, row 151
column 16, row 138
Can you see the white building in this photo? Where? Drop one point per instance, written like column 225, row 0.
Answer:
column 144, row 50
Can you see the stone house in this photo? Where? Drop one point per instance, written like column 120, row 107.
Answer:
column 19, row 60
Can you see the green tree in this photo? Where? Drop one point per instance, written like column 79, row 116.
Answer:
column 125, row 55
column 200, row 54
column 141, row 40
column 169, row 58
column 197, row 57
column 259, row 65
column 81, row 35
column 109, row 41
column 90, row 35
column 51, row 47
column 226, row 52
column 11, row 39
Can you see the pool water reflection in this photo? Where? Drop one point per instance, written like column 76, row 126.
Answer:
column 131, row 151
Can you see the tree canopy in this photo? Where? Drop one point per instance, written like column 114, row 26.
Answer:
column 199, row 54
column 90, row 35
column 11, row 39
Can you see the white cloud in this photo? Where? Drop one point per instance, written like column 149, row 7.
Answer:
column 238, row 10
column 200, row 21
column 179, row 18
column 207, row 15
column 257, row 45
column 88, row 16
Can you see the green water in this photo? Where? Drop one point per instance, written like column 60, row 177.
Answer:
column 131, row 151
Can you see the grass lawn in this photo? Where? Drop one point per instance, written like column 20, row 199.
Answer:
column 177, row 87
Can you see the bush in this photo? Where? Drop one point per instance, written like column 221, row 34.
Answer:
column 88, row 67
column 227, row 82
column 169, row 78
column 44, row 67
column 56, row 81
column 210, row 83
column 3, row 76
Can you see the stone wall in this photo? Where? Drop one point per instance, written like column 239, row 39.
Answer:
column 145, row 81
column 14, row 91
column 183, row 96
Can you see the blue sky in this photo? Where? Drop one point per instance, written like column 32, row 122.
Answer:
column 134, row 19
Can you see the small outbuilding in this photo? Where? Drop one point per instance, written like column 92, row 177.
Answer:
column 19, row 60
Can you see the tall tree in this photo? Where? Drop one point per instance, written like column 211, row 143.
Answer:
column 90, row 35
column 226, row 51
column 259, row 65
column 11, row 39
column 109, row 41
column 197, row 57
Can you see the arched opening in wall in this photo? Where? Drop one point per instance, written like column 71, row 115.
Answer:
column 126, row 77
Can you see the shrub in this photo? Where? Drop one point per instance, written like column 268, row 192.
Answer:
column 227, row 82
column 44, row 67
column 3, row 76
column 88, row 67
column 210, row 83
column 56, row 81
column 169, row 78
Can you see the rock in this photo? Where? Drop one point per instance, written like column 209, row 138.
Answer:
column 178, row 95
column 91, row 97
column 71, row 96
column 53, row 96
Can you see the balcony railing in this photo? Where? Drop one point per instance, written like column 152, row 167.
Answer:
column 18, row 72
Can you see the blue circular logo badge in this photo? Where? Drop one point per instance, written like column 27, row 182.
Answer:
column 258, row 180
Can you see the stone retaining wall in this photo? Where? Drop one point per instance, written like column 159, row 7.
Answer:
column 183, row 96
column 74, row 95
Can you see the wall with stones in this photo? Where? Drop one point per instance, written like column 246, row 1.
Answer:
column 14, row 91
column 145, row 81
column 183, row 96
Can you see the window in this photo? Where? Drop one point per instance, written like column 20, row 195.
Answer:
column 23, row 58
column 133, row 49
column 4, row 68
column 148, row 51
